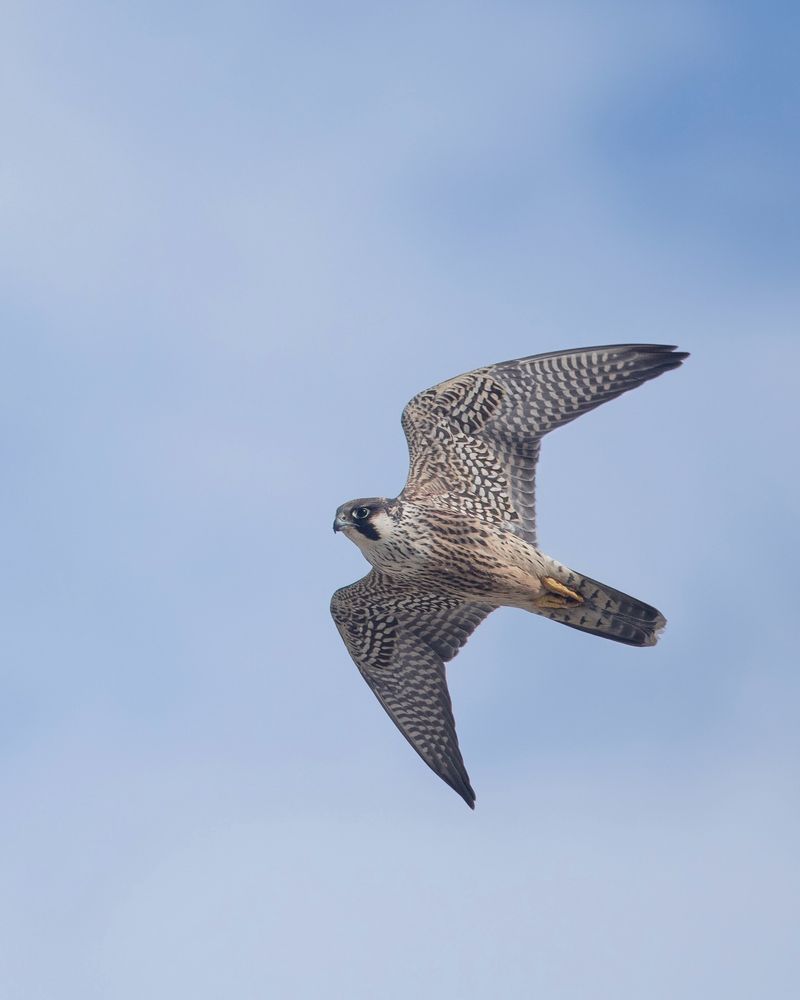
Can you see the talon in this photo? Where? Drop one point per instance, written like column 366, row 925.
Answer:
column 550, row 601
column 560, row 596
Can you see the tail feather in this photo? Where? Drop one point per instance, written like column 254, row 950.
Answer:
column 607, row 612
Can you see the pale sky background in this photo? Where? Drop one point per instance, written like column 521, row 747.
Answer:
column 234, row 240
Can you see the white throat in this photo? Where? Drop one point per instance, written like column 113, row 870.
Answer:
column 382, row 523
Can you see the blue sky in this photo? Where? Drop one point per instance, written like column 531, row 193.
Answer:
column 234, row 241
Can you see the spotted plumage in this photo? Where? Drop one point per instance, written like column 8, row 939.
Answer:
column 460, row 539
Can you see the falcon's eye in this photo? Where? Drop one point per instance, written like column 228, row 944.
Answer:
column 359, row 513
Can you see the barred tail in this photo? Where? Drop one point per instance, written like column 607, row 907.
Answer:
column 594, row 607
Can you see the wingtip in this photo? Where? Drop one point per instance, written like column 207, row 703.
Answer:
column 469, row 797
column 674, row 354
column 464, row 791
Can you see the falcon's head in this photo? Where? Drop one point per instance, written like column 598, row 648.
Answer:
column 365, row 520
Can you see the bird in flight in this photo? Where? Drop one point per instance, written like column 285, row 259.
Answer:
column 460, row 539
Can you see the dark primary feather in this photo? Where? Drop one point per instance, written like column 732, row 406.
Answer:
column 474, row 440
column 400, row 640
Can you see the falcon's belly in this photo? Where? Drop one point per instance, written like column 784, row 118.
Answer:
column 455, row 553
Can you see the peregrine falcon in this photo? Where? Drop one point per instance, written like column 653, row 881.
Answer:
column 460, row 539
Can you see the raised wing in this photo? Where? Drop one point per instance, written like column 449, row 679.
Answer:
column 400, row 640
column 474, row 440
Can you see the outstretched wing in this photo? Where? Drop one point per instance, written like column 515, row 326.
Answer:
column 473, row 441
column 400, row 640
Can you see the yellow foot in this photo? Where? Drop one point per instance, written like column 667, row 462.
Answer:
column 558, row 596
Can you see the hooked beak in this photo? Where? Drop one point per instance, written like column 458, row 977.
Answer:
column 339, row 523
